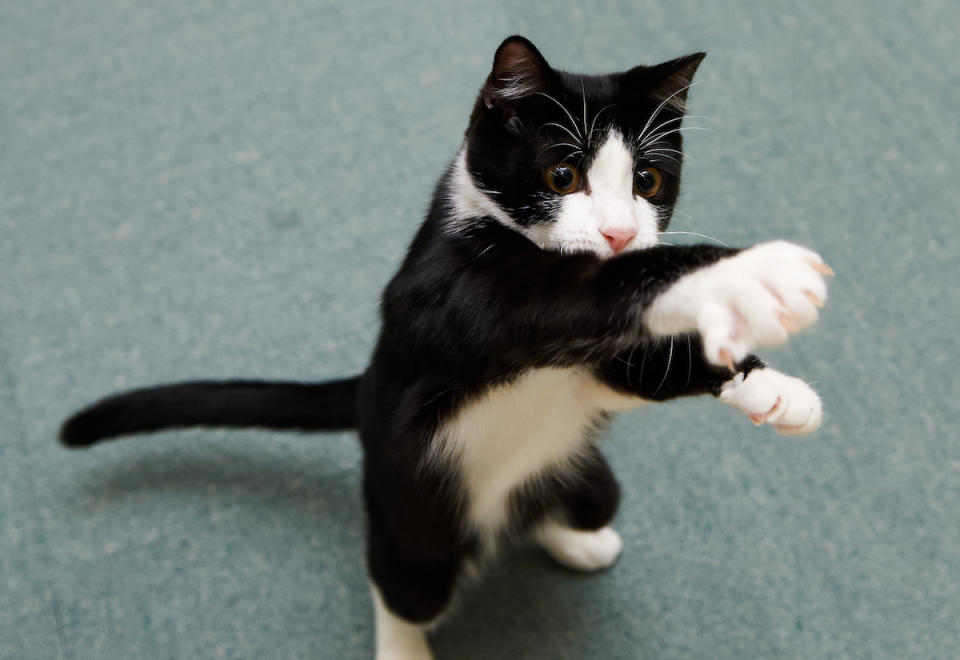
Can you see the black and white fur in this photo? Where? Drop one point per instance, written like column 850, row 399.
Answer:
column 518, row 322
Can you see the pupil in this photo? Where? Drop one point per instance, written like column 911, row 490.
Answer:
column 562, row 177
column 645, row 180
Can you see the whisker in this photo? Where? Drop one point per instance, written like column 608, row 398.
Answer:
column 562, row 107
column 656, row 137
column 558, row 144
column 646, row 352
column 561, row 127
column 671, row 121
column 573, row 153
column 664, row 150
column 660, row 107
column 629, row 363
column 660, row 136
column 664, row 155
column 666, row 371
column 593, row 123
column 640, row 139
column 584, row 95
column 692, row 219
column 692, row 233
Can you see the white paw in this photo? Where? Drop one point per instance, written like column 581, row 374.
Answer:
column 580, row 550
column 769, row 397
column 755, row 298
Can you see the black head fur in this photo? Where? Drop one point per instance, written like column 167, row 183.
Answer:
column 530, row 116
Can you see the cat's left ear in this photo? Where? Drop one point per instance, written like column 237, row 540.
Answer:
column 669, row 82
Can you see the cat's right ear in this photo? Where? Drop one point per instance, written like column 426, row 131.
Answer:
column 519, row 70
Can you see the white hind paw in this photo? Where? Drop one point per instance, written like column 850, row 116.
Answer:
column 580, row 550
column 769, row 397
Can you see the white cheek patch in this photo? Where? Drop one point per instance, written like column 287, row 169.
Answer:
column 609, row 207
column 469, row 202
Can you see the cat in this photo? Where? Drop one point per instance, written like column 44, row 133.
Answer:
column 535, row 300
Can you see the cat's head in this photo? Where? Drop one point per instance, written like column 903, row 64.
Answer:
column 577, row 163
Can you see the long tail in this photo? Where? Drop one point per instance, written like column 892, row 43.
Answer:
column 326, row 406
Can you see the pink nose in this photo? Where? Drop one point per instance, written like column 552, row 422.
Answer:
column 618, row 237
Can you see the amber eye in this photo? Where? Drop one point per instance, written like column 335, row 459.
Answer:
column 647, row 182
column 562, row 178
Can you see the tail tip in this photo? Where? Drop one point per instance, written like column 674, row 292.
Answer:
column 78, row 431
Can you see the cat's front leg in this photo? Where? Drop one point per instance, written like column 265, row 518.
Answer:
column 767, row 396
column 757, row 297
column 665, row 370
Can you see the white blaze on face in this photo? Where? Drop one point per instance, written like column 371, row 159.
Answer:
column 606, row 217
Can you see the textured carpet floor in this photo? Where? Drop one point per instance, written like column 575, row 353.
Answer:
column 199, row 188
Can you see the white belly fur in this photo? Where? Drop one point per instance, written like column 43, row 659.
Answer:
column 513, row 432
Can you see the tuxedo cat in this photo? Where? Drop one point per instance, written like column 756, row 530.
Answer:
column 535, row 300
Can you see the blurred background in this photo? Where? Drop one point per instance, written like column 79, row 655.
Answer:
column 221, row 189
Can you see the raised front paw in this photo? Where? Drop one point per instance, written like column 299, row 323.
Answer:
column 769, row 397
column 758, row 297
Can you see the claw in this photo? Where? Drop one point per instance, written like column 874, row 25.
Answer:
column 813, row 299
column 822, row 268
column 793, row 429
column 760, row 418
column 727, row 359
column 786, row 320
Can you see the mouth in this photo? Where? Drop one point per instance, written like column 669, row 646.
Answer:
column 640, row 242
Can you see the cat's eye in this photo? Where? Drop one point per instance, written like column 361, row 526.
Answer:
column 562, row 178
column 647, row 182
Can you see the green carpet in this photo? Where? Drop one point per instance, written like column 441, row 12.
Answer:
column 205, row 188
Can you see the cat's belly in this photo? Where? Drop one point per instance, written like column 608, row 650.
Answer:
column 514, row 432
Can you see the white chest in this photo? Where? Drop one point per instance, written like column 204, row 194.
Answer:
column 516, row 431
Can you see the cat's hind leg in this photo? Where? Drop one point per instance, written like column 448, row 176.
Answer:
column 577, row 533
column 397, row 638
column 412, row 581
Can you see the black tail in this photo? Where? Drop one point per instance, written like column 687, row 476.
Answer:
column 293, row 406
